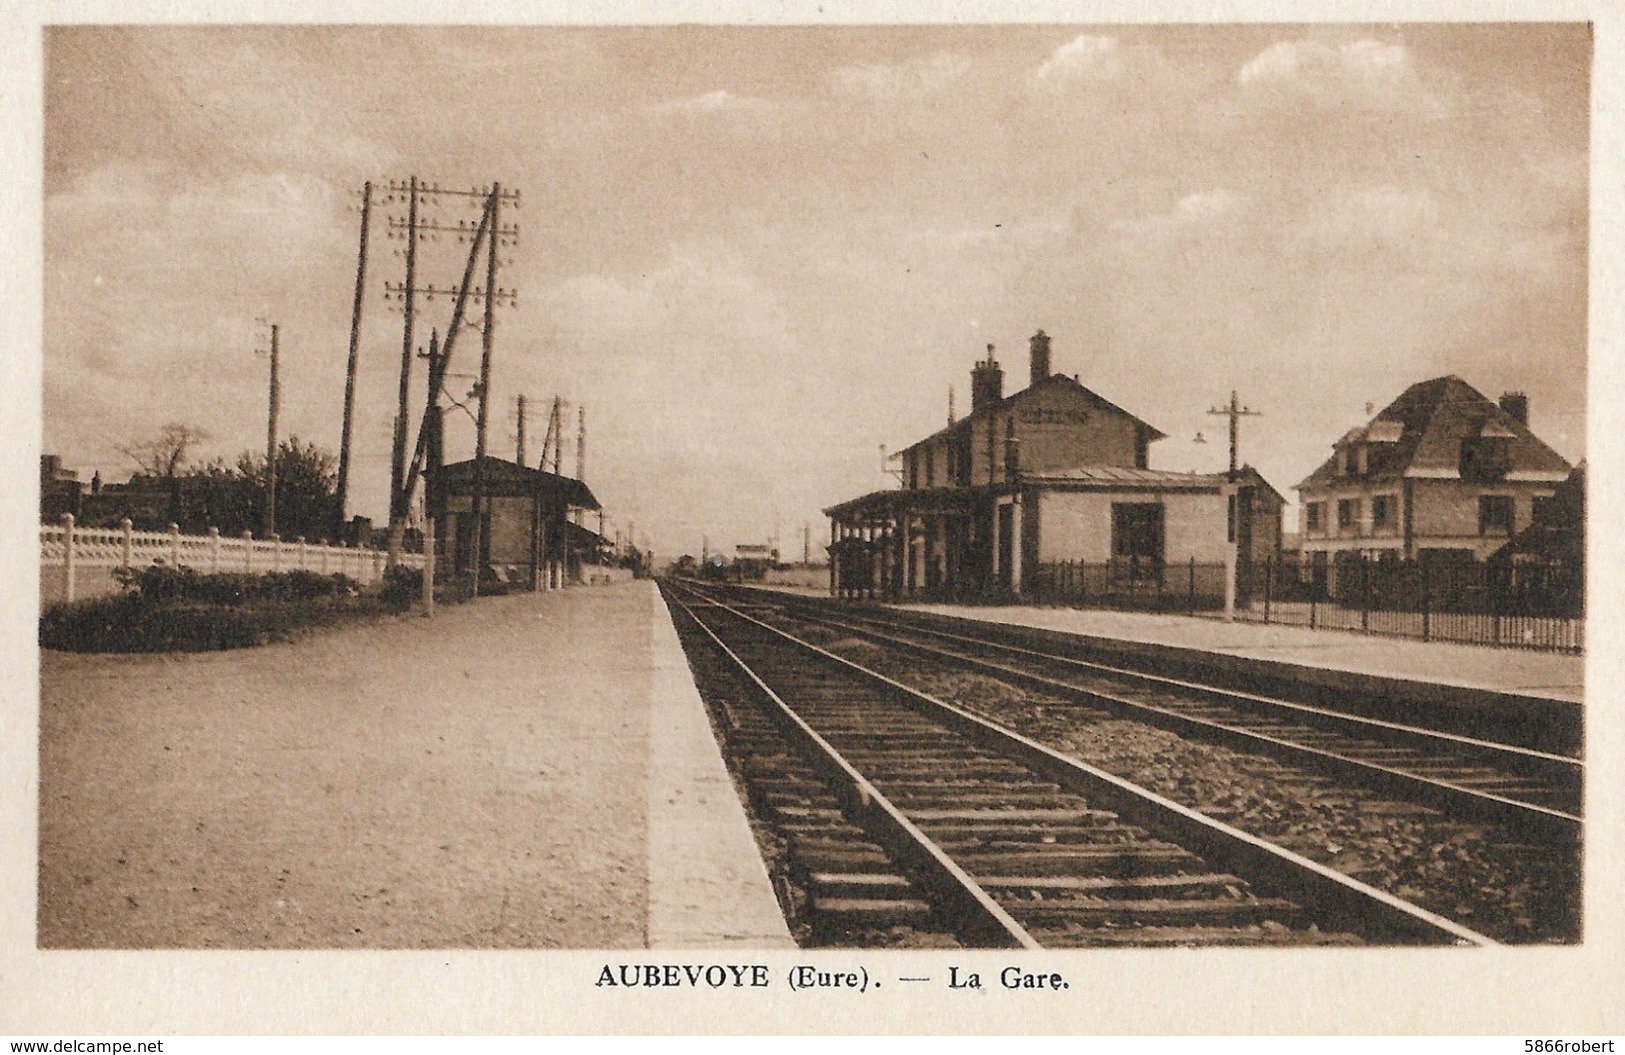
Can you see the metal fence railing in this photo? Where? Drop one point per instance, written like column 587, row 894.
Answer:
column 1535, row 606
column 66, row 549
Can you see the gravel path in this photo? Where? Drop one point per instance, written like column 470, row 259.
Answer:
column 477, row 780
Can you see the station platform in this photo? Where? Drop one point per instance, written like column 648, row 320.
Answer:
column 1471, row 668
column 528, row 771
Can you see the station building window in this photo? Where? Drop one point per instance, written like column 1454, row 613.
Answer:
column 1137, row 532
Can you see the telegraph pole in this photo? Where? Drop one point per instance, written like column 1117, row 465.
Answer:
column 350, row 367
column 397, row 465
column 1235, row 412
column 581, row 444
column 487, row 332
column 519, row 455
column 270, row 437
column 417, row 229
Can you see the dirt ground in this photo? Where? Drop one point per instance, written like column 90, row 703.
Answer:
column 476, row 781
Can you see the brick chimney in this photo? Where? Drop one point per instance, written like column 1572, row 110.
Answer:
column 986, row 382
column 1516, row 404
column 1039, row 343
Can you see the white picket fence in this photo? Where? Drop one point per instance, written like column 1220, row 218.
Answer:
column 66, row 548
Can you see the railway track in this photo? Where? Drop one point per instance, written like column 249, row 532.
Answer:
column 911, row 809
column 1533, row 791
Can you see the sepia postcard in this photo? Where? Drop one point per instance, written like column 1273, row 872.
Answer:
column 799, row 519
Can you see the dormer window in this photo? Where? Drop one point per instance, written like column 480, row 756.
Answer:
column 1487, row 457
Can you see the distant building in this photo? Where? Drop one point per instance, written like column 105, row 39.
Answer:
column 1442, row 474
column 60, row 490
column 753, row 560
column 1054, row 473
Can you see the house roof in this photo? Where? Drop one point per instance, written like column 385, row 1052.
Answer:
column 1420, row 434
column 1018, row 397
column 503, row 476
column 1113, row 476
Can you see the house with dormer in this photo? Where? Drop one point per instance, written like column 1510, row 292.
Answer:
column 1442, row 474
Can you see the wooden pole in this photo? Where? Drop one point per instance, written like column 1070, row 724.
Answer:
column 270, row 437
column 477, row 499
column 350, row 366
column 397, row 474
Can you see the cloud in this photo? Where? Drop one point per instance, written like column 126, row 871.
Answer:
column 1085, row 56
column 1363, row 74
column 914, row 79
column 716, row 102
column 1362, row 219
column 1193, row 216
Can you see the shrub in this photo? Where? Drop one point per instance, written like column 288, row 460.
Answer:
column 402, row 586
column 165, row 608
column 166, row 584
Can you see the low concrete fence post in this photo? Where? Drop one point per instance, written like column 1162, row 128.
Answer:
column 303, row 549
column 214, row 551
column 67, row 557
column 126, row 544
column 248, row 552
column 276, row 552
column 175, row 545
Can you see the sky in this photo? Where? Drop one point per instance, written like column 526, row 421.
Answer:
column 756, row 255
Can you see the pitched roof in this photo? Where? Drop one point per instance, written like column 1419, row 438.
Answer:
column 1017, row 397
column 501, row 474
column 1422, row 430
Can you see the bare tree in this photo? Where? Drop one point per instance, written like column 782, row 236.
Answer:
column 163, row 455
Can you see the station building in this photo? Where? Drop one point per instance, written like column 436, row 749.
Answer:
column 1052, row 474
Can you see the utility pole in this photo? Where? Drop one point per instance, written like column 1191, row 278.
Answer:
column 556, row 424
column 581, row 444
column 487, row 333
column 1235, row 412
column 519, row 454
column 273, row 411
column 397, row 464
column 350, row 367
column 477, row 234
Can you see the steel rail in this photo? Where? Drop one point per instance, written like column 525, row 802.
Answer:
column 1455, row 797
column 970, row 905
column 1352, row 904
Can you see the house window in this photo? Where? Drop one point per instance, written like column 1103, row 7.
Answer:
column 1348, row 514
column 1382, row 513
column 1314, row 516
column 1351, row 460
column 1543, row 509
column 1495, row 515
column 930, row 467
column 1137, row 531
column 913, row 469
column 1485, row 459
